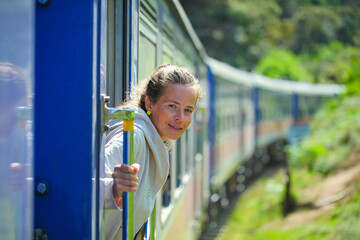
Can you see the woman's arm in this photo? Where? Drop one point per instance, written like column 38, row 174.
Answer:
column 122, row 177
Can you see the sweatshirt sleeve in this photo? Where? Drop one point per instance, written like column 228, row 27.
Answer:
column 114, row 156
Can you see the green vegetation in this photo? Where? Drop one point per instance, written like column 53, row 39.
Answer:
column 332, row 63
column 346, row 218
column 257, row 214
column 314, row 40
column 248, row 30
column 335, row 135
column 282, row 64
column 252, row 212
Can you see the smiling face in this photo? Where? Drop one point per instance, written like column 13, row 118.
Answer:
column 172, row 113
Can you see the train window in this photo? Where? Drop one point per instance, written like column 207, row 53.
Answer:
column 186, row 159
column 173, row 170
column 147, row 48
column 181, row 58
column 199, row 130
column 168, row 49
column 166, row 191
column 167, row 39
column 190, row 148
column 217, row 124
column 146, row 58
column 178, row 162
column 114, row 55
column 103, row 47
column 17, row 23
column 168, row 21
column 183, row 158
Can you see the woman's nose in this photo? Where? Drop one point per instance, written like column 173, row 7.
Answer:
column 179, row 115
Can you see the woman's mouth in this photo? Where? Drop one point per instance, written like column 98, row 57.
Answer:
column 175, row 127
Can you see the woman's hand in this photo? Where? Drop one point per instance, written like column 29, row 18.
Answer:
column 125, row 180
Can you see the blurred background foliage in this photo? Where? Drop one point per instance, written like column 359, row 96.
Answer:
column 306, row 40
column 279, row 63
column 334, row 142
column 316, row 41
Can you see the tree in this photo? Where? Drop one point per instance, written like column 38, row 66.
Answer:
column 283, row 64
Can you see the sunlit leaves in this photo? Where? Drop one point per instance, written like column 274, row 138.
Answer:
column 282, row 64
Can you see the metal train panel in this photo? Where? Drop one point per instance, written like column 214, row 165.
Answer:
column 66, row 119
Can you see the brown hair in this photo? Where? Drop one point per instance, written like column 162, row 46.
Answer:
column 155, row 86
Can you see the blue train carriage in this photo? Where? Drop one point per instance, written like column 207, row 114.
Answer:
column 231, row 131
column 272, row 106
column 250, row 119
column 283, row 111
column 166, row 36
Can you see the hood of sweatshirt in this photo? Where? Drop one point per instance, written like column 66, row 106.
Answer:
column 153, row 139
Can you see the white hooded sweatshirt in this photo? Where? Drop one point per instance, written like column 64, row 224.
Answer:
column 151, row 154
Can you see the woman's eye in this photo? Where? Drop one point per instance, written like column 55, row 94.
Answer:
column 188, row 110
column 172, row 106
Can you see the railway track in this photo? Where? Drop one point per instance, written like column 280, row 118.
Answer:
column 216, row 227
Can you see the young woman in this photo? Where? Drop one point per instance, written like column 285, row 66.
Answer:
column 163, row 110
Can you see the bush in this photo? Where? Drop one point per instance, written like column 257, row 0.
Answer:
column 282, row 64
column 335, row 132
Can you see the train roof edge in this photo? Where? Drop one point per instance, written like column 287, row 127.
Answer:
column 231, row 73
column 189, row 28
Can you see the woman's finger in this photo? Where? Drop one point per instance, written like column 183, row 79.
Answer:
column 124, row 182
column 121, row 189
column 126, row 176
column 136, row 167
column 126, row 168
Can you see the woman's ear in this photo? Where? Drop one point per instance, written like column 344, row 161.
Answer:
column 148, row 103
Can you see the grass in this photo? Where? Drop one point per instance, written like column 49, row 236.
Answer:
column 258, row 216
column 256, row 207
